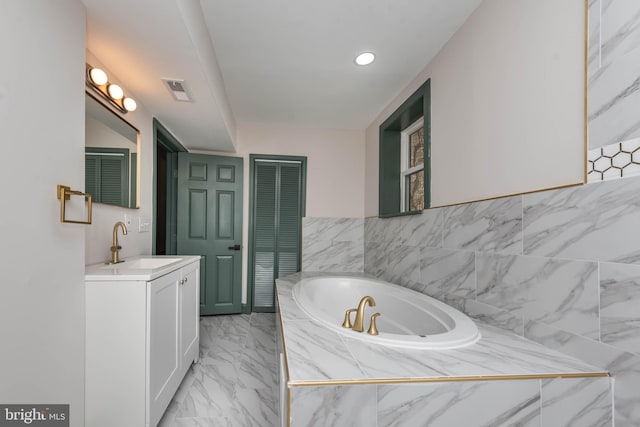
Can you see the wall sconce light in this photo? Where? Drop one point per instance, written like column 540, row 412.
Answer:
column 98, row 80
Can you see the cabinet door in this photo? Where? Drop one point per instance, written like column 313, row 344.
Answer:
column 162, row 343
column 189, row 313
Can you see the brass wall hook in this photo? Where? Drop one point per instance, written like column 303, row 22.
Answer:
column 347, row 319
column 373, row 330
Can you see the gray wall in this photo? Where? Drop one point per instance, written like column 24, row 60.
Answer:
column 42, row 122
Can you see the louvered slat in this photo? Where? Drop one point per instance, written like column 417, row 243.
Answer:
column 111, row 181
column 91, row 177
column 289, row 213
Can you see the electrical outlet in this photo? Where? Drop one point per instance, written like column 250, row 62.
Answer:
column 128, row 220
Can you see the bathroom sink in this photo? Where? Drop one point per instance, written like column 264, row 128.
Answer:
column 140, row 264
column 136, row 268
column 148, row 263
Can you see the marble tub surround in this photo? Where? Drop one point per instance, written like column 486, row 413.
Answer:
column 541, row 289
column 577, row 273
column 333, row 244
column 623, row 366
column 596, row 222
column 488, row 226
column 317, row 354
column 532, row 403
column 337, row 381
column 620, row 306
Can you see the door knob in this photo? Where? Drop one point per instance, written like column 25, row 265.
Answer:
column 235, row 247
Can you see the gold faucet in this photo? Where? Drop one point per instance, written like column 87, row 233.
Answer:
column 357, row 325
column 115, row 258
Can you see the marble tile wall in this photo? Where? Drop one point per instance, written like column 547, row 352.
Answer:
column 549, row 403
column 561, row 267
column 613, row 71
column 333, row 244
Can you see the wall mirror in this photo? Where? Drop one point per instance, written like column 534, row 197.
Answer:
column 111, row 156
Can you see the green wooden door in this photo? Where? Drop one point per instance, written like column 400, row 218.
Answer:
column 210, row 224
column 277, row 210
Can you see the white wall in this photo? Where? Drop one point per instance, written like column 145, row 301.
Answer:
column 335, row 164
column 507, row 99
column 99, row 234
column 42, row 308
column 335, row 170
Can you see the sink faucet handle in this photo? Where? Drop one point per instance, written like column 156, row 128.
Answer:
column 373, row 330
column 347, row 318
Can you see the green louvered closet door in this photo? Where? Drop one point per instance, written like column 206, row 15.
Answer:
column 107, row 175
column 278, row 202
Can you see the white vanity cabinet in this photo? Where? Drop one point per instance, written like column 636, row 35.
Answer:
column 142, row 335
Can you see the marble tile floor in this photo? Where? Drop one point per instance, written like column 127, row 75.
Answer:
column 235, row 383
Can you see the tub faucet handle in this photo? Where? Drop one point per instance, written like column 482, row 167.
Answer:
column 347, row 318
column 373, row 330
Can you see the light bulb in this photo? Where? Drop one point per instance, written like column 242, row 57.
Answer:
column 115, row 91
column 365, row 58
column 129, row 104
column 98, row 76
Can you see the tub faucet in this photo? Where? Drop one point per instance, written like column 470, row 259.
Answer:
column 357, row 325
column 115, row 258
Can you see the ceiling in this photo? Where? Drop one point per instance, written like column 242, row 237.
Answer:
column 274, row 62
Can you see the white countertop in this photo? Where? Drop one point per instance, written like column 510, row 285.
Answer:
column 316, row 354
column 130, row 269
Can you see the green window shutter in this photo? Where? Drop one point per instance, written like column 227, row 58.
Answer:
column 389, row 196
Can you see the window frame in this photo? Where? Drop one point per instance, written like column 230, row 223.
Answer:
column 405, row 170
column 390, row 152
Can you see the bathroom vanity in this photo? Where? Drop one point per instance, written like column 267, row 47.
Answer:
column 142, row 335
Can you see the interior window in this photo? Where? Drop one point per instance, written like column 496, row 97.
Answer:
column 412, row 170
column 405, row 164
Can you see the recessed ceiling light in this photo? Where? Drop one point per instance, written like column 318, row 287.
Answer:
column 365, row 58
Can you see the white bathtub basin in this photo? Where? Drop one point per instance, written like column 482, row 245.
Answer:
column 407, row 318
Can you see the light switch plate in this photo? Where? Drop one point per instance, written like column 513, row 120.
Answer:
column 128, row 220
column 144, row 224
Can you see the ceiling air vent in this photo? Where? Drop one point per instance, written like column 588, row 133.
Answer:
column 178, row 89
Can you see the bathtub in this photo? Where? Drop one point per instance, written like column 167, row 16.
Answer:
column 407, row 318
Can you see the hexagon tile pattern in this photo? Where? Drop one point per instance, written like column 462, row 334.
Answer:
column 618, row 160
